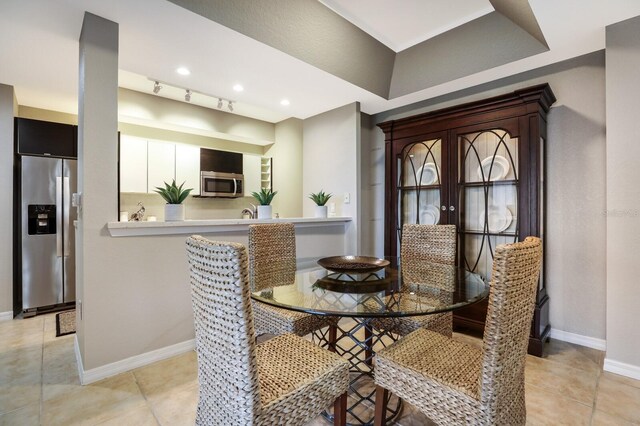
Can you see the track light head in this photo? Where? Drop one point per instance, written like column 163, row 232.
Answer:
column 187, row 96
column 230, row 106
column 156, row 87
column 219, row 103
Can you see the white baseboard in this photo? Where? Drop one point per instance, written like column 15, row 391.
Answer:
column 99, row 373
column 6, row 316
column 621, row 368
column 578, row 339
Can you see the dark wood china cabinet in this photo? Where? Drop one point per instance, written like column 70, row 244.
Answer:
column 479, row 166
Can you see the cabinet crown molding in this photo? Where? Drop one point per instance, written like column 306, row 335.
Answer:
column 540, row 94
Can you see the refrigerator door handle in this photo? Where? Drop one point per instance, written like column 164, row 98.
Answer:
column 65, row 215
column 58, row 216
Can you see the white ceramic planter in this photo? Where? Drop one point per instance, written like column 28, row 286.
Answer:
column 173, row 212
column 264, row 212
column 321, row 211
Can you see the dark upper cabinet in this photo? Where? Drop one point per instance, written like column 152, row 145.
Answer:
column 35, row 137
column 478, row 166
column 212, row 160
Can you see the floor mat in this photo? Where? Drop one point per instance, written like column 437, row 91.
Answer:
column 65, row 323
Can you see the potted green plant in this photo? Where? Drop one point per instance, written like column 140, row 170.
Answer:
column 174, row 195
column 264, row 198
column 320, row 199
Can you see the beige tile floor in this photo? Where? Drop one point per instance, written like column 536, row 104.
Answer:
column 39, row 385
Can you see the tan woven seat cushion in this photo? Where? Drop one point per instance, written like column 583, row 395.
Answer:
column 424, row 361
column 273, row 320
column 295, row 373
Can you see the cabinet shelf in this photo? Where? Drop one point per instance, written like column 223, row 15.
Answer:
column 493, row 234
column 414, row 188
column 491, row 183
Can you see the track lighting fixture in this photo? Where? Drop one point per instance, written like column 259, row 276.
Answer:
column 188, row 93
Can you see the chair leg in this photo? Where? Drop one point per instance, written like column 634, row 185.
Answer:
column 381, row 406
column 340, row 410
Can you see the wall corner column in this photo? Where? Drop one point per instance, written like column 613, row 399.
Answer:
column 623, row 200
column 97, row 172
column 8, row 111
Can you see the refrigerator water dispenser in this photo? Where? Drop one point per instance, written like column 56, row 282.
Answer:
column 41, row 219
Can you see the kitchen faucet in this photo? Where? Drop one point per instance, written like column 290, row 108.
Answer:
column 252, row 213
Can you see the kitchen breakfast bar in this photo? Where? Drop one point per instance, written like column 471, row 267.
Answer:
column 143, row 265
column 316, row 236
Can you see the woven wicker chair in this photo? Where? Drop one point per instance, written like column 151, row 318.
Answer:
column 454, row 383
column 422, row 247
column 286, row 380
column 272, row 262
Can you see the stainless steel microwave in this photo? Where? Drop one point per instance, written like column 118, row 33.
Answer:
column 215, row 184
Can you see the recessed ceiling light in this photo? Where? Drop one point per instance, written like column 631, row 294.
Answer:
column 285, row 102
column 238, row 88
column 183, row 71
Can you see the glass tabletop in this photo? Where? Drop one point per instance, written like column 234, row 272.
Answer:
column 391, row 291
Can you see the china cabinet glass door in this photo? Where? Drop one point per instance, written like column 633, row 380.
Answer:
column 419, row 184
column 488, row 187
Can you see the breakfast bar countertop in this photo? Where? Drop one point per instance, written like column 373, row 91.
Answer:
column 131, row 229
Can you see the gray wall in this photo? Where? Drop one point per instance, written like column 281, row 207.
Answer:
column 309, row 31
column 481, row 44
column 331, row 162
column 576, row 226
column 623, row 195
column 372, row 189
column 286, row 155
column 7, row 112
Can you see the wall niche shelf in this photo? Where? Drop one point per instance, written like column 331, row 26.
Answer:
column 266, row 164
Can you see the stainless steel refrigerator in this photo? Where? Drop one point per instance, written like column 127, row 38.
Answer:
column 48, row 234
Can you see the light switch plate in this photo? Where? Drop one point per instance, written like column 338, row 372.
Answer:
column 347, row 198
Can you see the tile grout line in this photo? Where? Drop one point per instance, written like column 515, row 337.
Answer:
column 41, row 405
column 553, row 391
column 559, row 363
column 153, row 413
column 595, row 397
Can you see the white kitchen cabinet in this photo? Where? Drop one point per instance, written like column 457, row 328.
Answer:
column 251, row 172
column 188, row 167
column 161, row 161
column 133, row 164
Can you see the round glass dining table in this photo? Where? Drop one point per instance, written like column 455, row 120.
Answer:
column 360, row 311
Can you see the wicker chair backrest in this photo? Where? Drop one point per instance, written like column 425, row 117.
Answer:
column 272, row 255
column 422, row 246
column 225, row 336
column 516, row 269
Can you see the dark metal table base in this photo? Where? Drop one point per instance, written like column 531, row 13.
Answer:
column 357, row 342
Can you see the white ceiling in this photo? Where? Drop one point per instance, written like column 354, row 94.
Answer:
column 401, row 24
column 39, row 54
